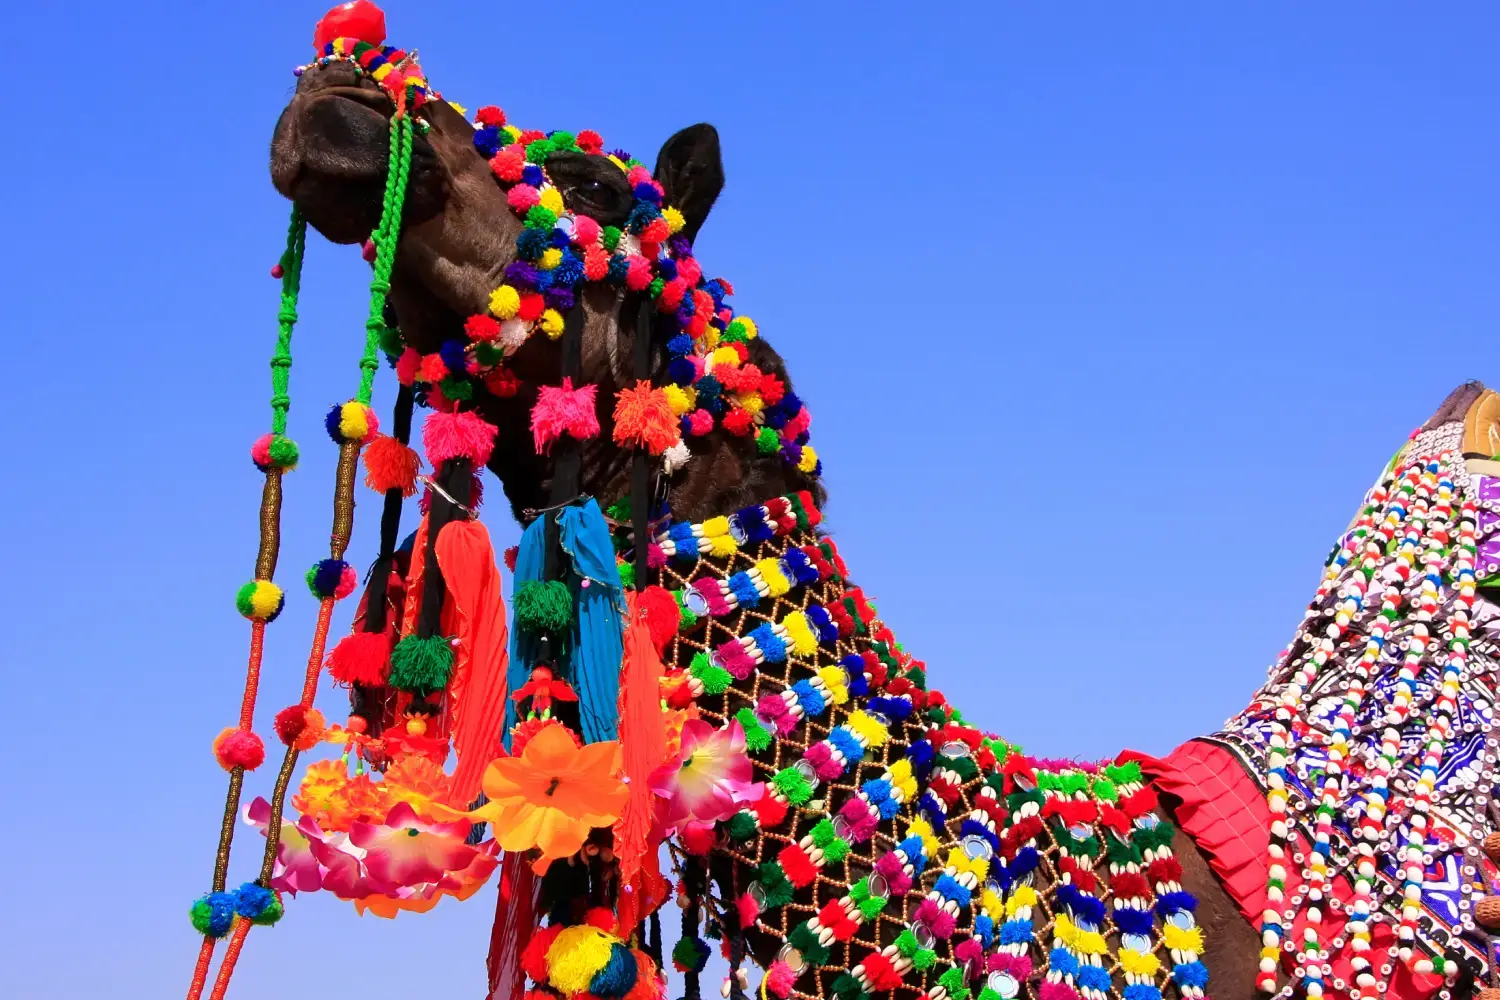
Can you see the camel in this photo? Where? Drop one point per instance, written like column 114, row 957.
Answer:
column 330, row 157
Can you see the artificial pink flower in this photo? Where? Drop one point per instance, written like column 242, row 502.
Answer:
column 713, row 778
column 406, row 850
column 297, row 869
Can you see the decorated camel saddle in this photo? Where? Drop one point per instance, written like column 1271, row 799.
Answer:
column 689, row 698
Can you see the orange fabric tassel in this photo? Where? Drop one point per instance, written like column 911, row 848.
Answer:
column 477, row 692
column 644, row 419
column 643, row 738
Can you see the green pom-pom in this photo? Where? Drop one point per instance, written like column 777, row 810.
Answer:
column 283, row 452
column 805, row 941
column 742, row 825
column 421, row 664
column 773, row 880
column 654, row 289
column 273, row 912
column 488, row 354
column 391, row 344
column 259, row 600
column 1105, row 790
column 686, row 620
column 988, row 994
column 563, row 140
column 610, row 238
column 538, row 150
column 756, row 737
column 954, row 981
column 793, row 785
column 836, row 851
column 906, row 943
column 1074, row 782
column 540, row 217
column 715, row 680
column 627, row 574
column 544, row 607
column 923, row 959
column 823, row 833
column 736, row 330
column 871, row 908
column 213, row 915
column 457, row 388
column 767, row 442
column 846, row 987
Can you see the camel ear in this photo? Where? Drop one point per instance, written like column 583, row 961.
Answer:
column 691, row 170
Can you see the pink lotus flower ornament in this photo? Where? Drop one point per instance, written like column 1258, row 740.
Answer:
column 406, row 850
column 713, row 778
column 297, row 869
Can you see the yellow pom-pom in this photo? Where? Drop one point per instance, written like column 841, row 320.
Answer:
column 1023, row 895
column 354, row 421
column 715, row 526
column 710, row 338
column 804, row 643
column 576, row 957
column 550, row 259
column 725, row 356
column 809, row 459
column 682, row 399
column 921, row 828
column 770, row 571
column 511, row 134
column 750, row 332
column 751, row 402
column 1139, row 963
column 723, row 545
column 552, row 323
column 459, row 108
column 505, row 302
column 867, row 729
column 551, row 200
column 989, row 899
column 1183, row 938
column 674, row 218
column 836, row 680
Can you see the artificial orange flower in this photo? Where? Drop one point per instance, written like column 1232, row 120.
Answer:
column 414, row 778
column 552, row 794
column 335, row 800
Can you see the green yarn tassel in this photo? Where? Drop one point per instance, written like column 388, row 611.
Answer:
column 544, row 607
column 715, row 680
column 954, row 981
column 793, row 785
column 756, row 737
column 742, row 826
column 421, row 664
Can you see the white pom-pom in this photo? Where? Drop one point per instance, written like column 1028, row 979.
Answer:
column 676, row 457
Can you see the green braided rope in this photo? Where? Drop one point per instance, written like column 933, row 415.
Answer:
column 385, row 238
column 286, row 319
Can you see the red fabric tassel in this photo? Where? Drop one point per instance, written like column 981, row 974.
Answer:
column 643, row 738
column 515, row 921
column 477, row 691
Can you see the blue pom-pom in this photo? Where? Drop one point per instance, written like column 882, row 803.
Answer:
column 1169, row 903
column 213, row 914
column 1064, row 961
column 642, row 215
column 920, row 752
column 646, row 191
column 769, row 642
column 1025, row 862
column 680, row 371
column 708, row 386
column 1132, row 921
column 560, row 239
column 487, row 140
column 808, row 697
column 667, row 268
column 1016, row 932
column 680, row 344
column 452, row 353
column 617, row 978
column 743, row 589
column 912, row 848
column 984, row 929
column 251, row 900
column 1191, row 974
column 822, row 624
column 560, row 298
column 532, row 174
column 949, row 888
column 1084, row 907
column 324, row 578
column 844, row 742
column 331, row 424
column 789, row 404
column 1141, row 991
column 1094, row 977
column 619, row 267
column 532, row 242
column 569, row 270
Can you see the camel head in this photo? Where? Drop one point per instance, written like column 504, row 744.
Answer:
column 330, row 154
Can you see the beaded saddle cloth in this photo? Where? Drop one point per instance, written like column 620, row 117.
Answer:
column 1374, row 737
column 898, row 849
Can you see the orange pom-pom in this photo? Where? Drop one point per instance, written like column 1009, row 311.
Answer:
column 644, row 418
column 389, row 465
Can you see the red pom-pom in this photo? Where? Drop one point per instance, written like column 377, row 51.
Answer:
column 239, row 748
column 589, row 141
column 509, row 163
column 432, row 369
column 491, row 116
column 510, row 557
column 481, row 327
column 361, row 658
column 602, row 918
column 534, row 955
column 390, row 465
column 697, row 838
column 359, row 19
column 531, row 308
column 502, row 382
column 662, row 616
column 300, row 726
column 671, row 295
column 738, row 421
column 798, row 866
column 407, row 366
column 772, row 389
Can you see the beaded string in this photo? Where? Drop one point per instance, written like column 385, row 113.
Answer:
column 239, row 749
column 351, row 424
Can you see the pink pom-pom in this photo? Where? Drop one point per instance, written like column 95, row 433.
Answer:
column 562, row 409
column 260, row 451
column 348, row 580
column 638, row 174
column 749, row 910
column 522, row 197
column 671, row 295
column 779, row 979
column 689, row 270
column 407, row 366
column 458, row 435
column 361, row 658
column 638, row 273
column 585, row 230
column 700, row 422
column 239, row 748
column 697, row 838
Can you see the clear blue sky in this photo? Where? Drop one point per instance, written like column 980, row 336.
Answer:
column 1106, row 318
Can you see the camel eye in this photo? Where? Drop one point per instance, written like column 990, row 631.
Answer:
column 592, row 186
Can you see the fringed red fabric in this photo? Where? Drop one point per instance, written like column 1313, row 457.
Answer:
column 478, row 689
column 643, row 740
column 515, row 920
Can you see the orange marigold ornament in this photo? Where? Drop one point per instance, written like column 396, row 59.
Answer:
column 553, row 794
